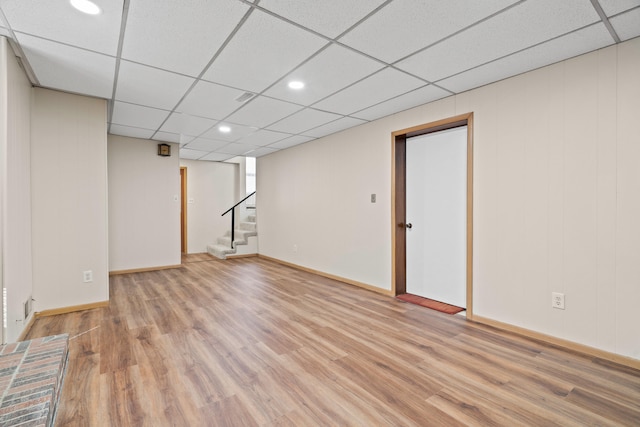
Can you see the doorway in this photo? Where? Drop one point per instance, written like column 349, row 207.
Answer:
column 183, row 209
column 407, row 142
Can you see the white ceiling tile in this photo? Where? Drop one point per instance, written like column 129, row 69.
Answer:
column 217, row 157
column 383, row 85
column 187, row 124
column 186, row 153
column 262, row 111
column 149, row 86
column 167, row 137
column 237, row 132
column 576, row 43
column 210, row 100
column 333, row 127
column 405, row 26
column 333, row 69
column 185, row 139
column 627, row 25
column 261, row 52
column 204, row 144
column 137, row 115
column 66, row 68
column 328, row 17
column 264, row 137
column 303, row 120
column 130, row 131
column 237, row 149
column 59, row 21
column 612, row 7
column 167, row 42
column 262, row 151
column 192, row 31
column 533, row 22
column 403, row 102
column 290, row 142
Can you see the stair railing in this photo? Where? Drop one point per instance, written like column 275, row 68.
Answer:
column 232, row 209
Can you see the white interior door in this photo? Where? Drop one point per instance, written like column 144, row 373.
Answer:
column 436, row 208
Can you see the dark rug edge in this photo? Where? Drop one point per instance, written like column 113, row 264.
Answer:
column 429, row 303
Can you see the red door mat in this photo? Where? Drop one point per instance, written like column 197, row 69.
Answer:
column 429, row 303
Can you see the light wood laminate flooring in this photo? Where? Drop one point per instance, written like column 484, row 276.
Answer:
column 249, row 342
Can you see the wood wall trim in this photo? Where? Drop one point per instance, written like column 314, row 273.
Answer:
column 436, row 126
column 241, row 256
column 330, row 276
column 469, row 120
column 71, row 309
column 183, row 216
column 398, row 213
column 560, row 342
column 143, row 270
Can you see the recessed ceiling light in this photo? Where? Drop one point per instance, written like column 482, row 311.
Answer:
column 86, row 6
column 296, row 84
column 224, row 129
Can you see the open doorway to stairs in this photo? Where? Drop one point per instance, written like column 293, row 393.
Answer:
column 250, row 184
column 399, row 203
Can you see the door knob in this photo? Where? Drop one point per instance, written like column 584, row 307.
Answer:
column 409, row 225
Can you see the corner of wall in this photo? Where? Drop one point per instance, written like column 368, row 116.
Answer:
column 15, row 195
column 69, row 194
column 144, row 205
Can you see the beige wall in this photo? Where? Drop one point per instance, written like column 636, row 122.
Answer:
column 69, row 199
column 211, row 189
column 15, row 234
column 556, row 205
column 314, row 208
column 144, row 207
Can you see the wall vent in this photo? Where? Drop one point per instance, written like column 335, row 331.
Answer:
column 28, row 306
column 245, row 97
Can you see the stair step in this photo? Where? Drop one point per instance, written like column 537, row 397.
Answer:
column 247, row 225
column 226, row 241
column 220, row 251
column 245, row 234
column 243, row 231
column 240, row 235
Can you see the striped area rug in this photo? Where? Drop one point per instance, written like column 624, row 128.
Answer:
column 429, row 303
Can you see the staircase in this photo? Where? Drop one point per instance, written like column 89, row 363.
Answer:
column 242, row 245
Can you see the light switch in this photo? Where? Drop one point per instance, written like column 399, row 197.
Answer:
column 175, row 198
column 373, row 198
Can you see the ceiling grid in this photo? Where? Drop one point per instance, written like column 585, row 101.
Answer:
column 172, row 70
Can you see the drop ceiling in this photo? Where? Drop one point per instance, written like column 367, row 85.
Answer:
column 174, row 70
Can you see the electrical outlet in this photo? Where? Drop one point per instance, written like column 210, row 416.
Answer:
column 557, row 300
column 87, row 276
column 373, row 198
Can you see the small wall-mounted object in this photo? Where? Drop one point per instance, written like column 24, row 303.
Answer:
column 164, row 150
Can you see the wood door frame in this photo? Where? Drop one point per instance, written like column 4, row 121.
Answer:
column 398, row 200
column 183, row 207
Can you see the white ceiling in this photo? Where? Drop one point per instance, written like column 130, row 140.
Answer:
column 172, row 70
